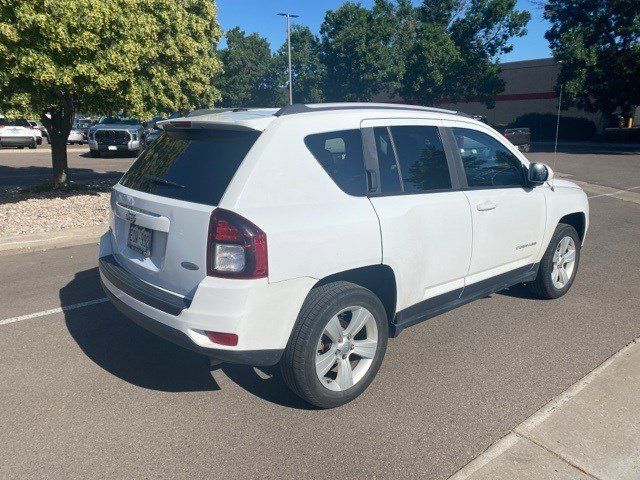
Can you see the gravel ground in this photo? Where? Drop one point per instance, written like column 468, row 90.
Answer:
column 29, row 213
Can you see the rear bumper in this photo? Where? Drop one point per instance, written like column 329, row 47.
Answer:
column 244, row 357
column 17, row 141
column 260, row 313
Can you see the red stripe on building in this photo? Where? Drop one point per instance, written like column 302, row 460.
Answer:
column 525, row 96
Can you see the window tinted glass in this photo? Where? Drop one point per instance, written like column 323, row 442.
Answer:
column 487, row 163
column 389, row 175
column 195, row 166
column 423, row 163
column 340, row 154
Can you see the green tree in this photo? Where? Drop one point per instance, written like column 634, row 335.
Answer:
column 454, row 54
column 145, row 57
column 358, row 51
column 308, row 71
column 249, row 78
column 598, row 42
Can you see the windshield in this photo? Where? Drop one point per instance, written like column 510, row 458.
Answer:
column 15, row 123
column 191, row 165
column 120, row 121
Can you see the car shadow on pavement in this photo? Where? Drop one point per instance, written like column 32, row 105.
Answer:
column 136, row 356
column 127, row 351
column 518, row 291
column 265, row 383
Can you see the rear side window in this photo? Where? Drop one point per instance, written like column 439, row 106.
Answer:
column 190, row 165
column 423, row 163
column 340, row 154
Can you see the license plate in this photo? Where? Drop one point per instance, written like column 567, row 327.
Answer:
column 140, row 239
column 112, row 147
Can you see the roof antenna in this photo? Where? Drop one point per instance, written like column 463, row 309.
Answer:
column 555, row 146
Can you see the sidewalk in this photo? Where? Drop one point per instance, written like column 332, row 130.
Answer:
column 591, row 431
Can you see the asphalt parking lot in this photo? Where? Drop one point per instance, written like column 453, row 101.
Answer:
column 31, row 167
column 85, row 393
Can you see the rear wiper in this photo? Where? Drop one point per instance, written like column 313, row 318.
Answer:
column 162, row 181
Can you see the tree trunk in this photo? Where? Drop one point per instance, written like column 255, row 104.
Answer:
column 603, row 123
column 58, row 124
column 59, row 159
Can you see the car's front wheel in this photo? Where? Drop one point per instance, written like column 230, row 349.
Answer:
column 337, row 344
column 559, row 264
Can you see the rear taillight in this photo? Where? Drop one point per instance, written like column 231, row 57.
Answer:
column 236, row 248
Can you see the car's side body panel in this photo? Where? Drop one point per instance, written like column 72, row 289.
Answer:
column 313, row 228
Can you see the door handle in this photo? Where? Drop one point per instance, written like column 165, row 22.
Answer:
column 486, row 206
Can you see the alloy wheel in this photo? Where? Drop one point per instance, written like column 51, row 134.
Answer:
column 564, row 262
column 346, row 348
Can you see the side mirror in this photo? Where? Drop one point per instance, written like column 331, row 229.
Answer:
column 539, row 173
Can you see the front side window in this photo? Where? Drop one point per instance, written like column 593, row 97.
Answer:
column 487, row 163
column 422, row 159
column 340, row 154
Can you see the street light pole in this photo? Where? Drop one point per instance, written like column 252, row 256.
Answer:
column 289, row 16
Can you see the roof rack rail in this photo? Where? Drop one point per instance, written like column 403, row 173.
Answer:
column 302, row 108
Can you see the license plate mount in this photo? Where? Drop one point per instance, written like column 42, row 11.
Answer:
column 139, row 239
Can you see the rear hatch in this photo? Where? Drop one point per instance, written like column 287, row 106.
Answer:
column 163, row 204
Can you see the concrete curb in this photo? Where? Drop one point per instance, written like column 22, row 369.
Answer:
column 47, row 240
column 517, row 446
column 40, row 150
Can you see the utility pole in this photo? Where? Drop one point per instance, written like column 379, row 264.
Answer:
column 289, row 16
column 555, row 145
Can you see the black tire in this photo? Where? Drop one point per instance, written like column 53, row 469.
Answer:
column 94, row 153
column 543, row 286
column 298, row 362
column 32, row 146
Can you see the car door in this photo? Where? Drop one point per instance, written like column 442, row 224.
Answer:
column 508, row 215
column 424, row 217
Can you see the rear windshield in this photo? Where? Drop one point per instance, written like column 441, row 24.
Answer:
column 195, row 166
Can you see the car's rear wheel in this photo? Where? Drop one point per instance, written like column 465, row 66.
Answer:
column 559, row 264
column 337, row 345
column 94, row 153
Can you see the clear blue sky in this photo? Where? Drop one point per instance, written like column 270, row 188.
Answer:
column 260, row 16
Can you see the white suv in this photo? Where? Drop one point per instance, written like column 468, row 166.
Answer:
column 307, row 236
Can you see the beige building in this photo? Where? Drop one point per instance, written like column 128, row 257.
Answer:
column 529, row 88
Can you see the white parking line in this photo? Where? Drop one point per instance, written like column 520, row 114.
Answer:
column 75, row 306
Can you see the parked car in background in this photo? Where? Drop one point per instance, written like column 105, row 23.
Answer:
column 23, row 122
column 76, row 135
column 152, row 131
column 116, row 134
column 37, row 125
column 83, row 125
column 307, row 236
column 520, row 137
column 16, row 134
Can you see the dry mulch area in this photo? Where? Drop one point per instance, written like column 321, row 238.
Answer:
column 24, row 212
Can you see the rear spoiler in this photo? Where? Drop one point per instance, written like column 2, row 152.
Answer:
column 219, row 120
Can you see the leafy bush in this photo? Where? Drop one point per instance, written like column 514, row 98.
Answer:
column 543, row 127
